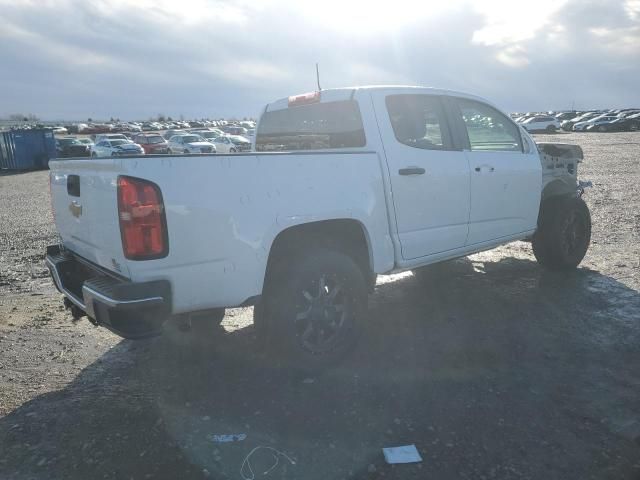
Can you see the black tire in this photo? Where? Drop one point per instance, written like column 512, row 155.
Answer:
column 186, row 152
column 232, row 150
column 564, row 233
column 550, row 129
column 314, row 307
column 169, row 152
column 602, row 128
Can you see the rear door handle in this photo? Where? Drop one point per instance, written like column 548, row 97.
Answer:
column 412, row 171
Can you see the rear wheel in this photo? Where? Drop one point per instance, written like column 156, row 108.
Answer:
column 550, row 129
column 314, row 307
column 564, row 233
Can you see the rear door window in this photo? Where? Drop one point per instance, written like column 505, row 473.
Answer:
column 419, row 121
column 312, row 127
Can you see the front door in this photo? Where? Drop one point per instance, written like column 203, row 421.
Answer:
column 506, row 177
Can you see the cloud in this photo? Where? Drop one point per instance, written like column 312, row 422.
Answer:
column 134, row 59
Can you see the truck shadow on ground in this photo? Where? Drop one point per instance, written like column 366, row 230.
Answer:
column 493, row 369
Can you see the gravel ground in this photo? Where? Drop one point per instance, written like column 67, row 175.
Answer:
column 495, row 369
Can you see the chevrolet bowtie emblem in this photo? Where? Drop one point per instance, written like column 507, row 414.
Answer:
column 76, row 209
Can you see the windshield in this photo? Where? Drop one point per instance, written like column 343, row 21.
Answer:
column 115, row 143
column 68, row 141
column 192, row 139
column 208, row 135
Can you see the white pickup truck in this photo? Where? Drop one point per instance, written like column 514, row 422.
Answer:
column 344, row 184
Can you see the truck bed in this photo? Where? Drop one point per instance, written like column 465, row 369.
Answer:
column 232, row 207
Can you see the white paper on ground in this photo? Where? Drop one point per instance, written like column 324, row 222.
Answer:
column 237, row 437
column 404, row 454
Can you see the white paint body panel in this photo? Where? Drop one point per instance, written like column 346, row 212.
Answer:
column 224, row 211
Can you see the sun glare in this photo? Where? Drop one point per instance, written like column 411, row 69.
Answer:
column 366, row 17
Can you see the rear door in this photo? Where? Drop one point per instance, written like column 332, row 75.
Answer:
column 429, row 177
column 506, row 180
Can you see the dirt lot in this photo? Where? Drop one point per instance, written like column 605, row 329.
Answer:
column 496, row 369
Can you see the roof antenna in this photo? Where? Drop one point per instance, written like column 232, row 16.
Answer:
column 318, row 77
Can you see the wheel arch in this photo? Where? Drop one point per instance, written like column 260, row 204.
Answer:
column 348, row 235
column 558, row 188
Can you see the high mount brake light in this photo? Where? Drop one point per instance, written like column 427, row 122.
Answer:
column 304, row 99
column 143, row 225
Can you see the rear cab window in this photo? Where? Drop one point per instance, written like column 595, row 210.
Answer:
column 314, row 126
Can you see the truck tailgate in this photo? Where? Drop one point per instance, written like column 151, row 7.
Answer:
column 85, row 207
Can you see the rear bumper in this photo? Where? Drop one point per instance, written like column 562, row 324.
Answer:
column 129, row 309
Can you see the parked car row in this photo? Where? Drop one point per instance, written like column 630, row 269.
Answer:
column 621, row 120
column 95, row 128
column 187, row 141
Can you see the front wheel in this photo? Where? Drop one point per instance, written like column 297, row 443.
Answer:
column 315, row 306
column 551, row 129
column 564, row 233
column 602, row 128
column 232, row 150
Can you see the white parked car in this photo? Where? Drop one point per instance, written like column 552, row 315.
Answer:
column 240, row 143
column 110, row 136
column 86, row 141
column 581, row 126
column 116, row 148
column 224, row 144
column 188, row 144
column 345, row 184
column 541, row 123
column 221, row 140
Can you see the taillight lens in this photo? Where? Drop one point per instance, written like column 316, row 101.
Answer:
column 143, row 225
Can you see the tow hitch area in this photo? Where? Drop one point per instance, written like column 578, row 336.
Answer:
column 129, row 309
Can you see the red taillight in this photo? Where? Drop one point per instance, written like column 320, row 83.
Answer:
column 304, row 99
column 143, row 226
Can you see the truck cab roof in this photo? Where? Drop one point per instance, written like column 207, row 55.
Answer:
column 346, row 93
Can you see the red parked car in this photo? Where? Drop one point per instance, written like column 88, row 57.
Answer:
column 151, row 143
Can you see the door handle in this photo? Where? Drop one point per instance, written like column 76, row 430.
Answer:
column 412, row 171
column 485, row 168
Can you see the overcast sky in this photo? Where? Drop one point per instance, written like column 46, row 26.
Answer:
column 73, row 59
